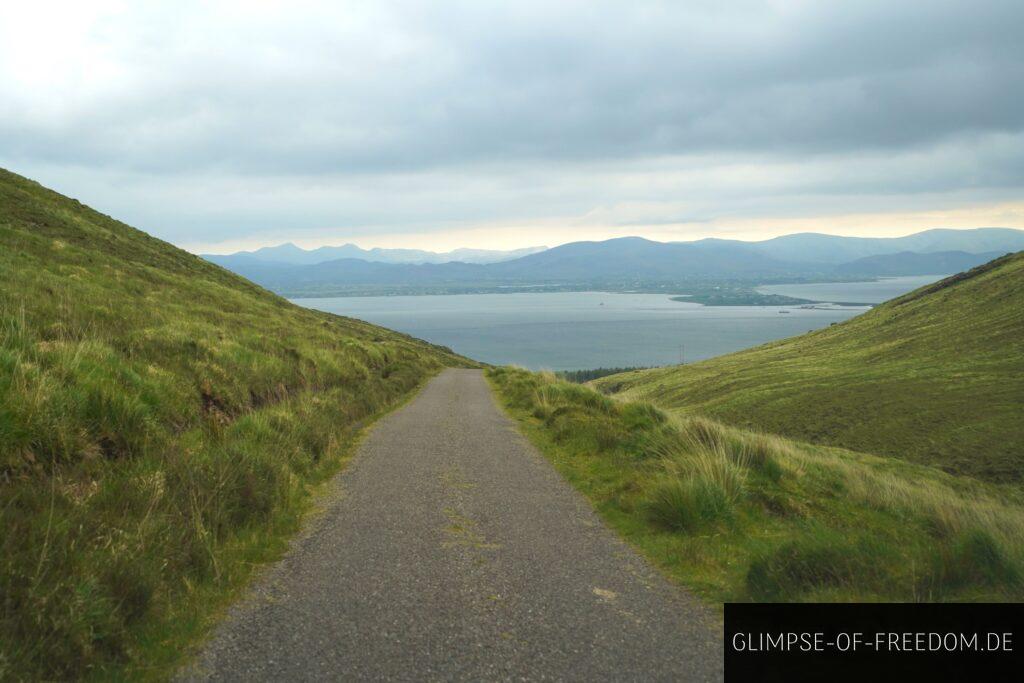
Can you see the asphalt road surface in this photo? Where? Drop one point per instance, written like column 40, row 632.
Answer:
column 451, row 550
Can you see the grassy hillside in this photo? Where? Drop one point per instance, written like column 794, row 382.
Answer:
column 738, row 516
column 161, row 424
column 935, row 376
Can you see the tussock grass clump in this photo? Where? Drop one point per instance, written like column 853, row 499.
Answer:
column 687, row 503
column 741, row 515
column 973, row 558
column 643, row 416
column 821, row 558
column 761, row 452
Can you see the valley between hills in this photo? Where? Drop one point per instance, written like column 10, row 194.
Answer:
column 170, row 429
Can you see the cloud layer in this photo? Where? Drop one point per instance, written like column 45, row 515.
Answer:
column 255, row 122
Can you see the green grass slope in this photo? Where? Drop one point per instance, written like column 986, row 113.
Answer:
column 935, row 376
column 162, row 422
column 744, row 516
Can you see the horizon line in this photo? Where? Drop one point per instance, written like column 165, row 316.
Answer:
column 352, row 243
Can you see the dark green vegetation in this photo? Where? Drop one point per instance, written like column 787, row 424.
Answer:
column 162, row 423
column 935, row 377
column 580, row 376
column 729, row 293
column 739, row 515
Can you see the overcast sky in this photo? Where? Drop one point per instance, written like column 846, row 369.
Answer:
column 447, row 124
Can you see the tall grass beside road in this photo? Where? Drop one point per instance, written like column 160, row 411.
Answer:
column 162, row 425
column 737, row 515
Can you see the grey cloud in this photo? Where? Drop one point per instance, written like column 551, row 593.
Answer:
column 581, row 82
column 421, row 115
column 219, row 205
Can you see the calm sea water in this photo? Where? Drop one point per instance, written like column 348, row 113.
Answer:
column 861, row 292
column 576, row 330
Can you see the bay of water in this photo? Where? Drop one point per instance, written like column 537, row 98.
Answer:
column 578, row 330
column 875, row 292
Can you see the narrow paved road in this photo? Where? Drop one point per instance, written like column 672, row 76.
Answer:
column 454, row 551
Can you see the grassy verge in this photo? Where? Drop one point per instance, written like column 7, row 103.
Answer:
column 117, row 564
column 167, row 640
column 743, row 516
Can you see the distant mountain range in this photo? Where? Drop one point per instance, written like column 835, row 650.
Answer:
column 290, row 254
column 912, row 263
column 810, row 247
column 636, row 262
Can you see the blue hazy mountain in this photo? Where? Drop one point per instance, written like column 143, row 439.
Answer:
column 813, row 247
column 290, row 254
column 912, row 263
column 636, row 260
